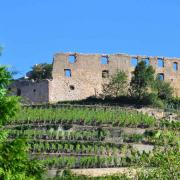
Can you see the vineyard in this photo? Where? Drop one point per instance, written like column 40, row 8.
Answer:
column 84, row 137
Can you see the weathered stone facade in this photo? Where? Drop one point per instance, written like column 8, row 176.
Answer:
column 83, row 76
column 32, row 92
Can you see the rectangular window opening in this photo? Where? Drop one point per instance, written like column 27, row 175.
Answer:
column 175, row 66
column 104, row 60
column 160, row 62
column 67, row 72
column 72, row 59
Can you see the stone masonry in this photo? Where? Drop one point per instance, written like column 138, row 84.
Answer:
column 78, row 76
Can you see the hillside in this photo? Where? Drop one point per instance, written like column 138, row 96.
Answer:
column 95, row 140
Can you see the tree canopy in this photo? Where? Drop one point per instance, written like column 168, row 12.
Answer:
column 41, row 71
column 117, row 85
column 143, row 78
column 15, row 162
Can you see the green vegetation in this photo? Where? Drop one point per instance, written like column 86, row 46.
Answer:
column 84, row 116
column 14, row 160
column 144, row 88
column 87, row 162
column 117, row 85
column 90, row 137
column 143, row 77
column 41, row 71
column 52, row 138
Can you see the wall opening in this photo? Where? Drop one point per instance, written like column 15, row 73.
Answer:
column 175, row 66
column 34, row 90
column 134, row 62
column 67, row 72
column 72, row 59
column 18, row 92
column 71, row 87
column 105, row 74
column 104, row 60
column 160, row 76
column 146, row 60
column 160, row 62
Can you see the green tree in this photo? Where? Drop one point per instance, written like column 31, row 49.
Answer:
column 15, row 162
column 41, row 71
column 117, row 85
column 8, row 104
column 164, row 90
column 142, row 80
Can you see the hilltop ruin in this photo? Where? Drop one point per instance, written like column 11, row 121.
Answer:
column 77, row 76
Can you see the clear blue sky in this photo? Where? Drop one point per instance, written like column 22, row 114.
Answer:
column 31, row 31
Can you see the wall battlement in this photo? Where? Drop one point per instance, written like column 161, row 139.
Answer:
column 77, row 76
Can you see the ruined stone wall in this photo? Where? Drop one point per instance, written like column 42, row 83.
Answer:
column 31, row 92
column 87, row 71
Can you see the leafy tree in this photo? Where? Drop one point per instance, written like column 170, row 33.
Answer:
column 142, row 80
column 41, row 71
column 164, row 90
column 117, row 85
column 14, row 159
column 8, row 104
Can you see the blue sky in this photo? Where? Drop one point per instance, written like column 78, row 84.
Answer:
column 31, row 31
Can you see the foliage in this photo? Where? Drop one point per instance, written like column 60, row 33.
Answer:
column 116, row 117
column 143, row 78
column 14, row 161
column 117, row 85
column 8, row 105
column 41, row 71
column 165, row 163
column 164, row 90
column 59, row 134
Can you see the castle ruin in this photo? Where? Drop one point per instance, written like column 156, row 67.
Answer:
column 77, row 76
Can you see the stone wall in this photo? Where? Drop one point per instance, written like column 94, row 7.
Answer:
column 87, row 71
column 30, row 91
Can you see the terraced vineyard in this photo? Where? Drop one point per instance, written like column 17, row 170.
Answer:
column 74, row 137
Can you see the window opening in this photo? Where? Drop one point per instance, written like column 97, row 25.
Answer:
column 160, row 62
column 72, row 59
column 67, row 73
column 134, row 62
column 105, row 74
column 175, row 66
column 104, row 60
column 161, row 76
